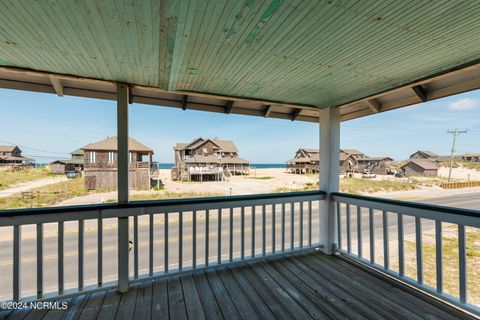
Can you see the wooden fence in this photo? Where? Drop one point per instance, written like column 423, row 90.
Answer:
column 457, row 185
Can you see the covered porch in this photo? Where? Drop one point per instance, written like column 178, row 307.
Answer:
column 301, row 255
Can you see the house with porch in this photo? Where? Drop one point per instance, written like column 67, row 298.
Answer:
column 11, row 156
column 472, row 157
column 292, row 255
column 207, row 160
column 307, row 160
column 101, row 164
column 377, row 165
column 74, row 164
column 420, row 167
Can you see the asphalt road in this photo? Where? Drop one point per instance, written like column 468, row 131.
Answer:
column 28, row 254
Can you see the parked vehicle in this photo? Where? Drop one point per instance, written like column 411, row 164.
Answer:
column 72, row 174
column 369, row 175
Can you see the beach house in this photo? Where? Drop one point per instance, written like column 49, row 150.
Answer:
column 420, row 167
column 307, row 160
column 74, row 164
column 424, row 154
column 100, row 160
column 11, row 156
column 207, row 160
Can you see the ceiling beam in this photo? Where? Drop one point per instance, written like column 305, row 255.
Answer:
column 374, row 105
column 228, row 107
column 268, row 110
column 184, row 102
column 420, row 92
column 295, row 113
column 57, row 85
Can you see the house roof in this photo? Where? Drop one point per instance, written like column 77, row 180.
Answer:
column 77, row 152
column 374, row 159
column 427, row 152
column 225, row 145
column 423, row 163
column 14, row 158
column 70, row 161
column 351, row 151
column 7, row 148
column 311, row 150
column 110, row 144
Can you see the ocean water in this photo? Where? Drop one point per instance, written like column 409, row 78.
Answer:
column 256, row 165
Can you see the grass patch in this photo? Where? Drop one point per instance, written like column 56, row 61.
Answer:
column 262, row 178
column 9, row 178
column 359, row 186
column 46, row 195
column 471, row 165
column 168, row 195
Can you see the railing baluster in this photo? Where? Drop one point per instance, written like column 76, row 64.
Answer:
column 180, row 241
column 17, row 237
column 310, row 223
column 359, row 231
column 274, row 226
column 300, row 233
column 283, row 227
column 194, row 240
column 253, row 232
column 242, row 233
column 264, row 230
column 219, row 235
column 231, row 236
column 100, row 252
column 439, row 255
column 60, row 257
column 462, row 261
column 339, row 226
column 386, row 254
column 81, row 264
column 349, row 230
column 401, row 250
column 39, row 260
column 135, row 247
column 292, row 226
column 418, row 236
column 151, row 242
column 207, row 236
column 371, row 228
column 165, row 243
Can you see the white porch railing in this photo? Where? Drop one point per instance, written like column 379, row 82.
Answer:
column 164, row 237
column 400, row 222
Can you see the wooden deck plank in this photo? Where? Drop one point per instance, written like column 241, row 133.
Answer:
column 192, row 300
column 176, row 302
column 269, row 287
column 297, row 295
column 127, row 304
column 160, row 300
column 374, row 297
column 330, row 293
column 409, row 300
column 254, row 298
column 392, row 293
column 143, row 305
column 227, row 307
column 55, row 314
column 75, row 307
column 238, row 298
column 209, row 303
column 327, row 302
column 93, row 306
column 109, row 308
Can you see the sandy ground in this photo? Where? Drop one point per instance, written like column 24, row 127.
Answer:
column 30, row 185
column 460, row 173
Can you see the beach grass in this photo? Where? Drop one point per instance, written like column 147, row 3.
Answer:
column 46, row 195
column 362, row 186
column 9, row 178
column 262, row 178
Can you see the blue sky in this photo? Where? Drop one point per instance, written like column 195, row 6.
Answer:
column 47, row 127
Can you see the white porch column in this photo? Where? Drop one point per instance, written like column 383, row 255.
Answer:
column 122, row 176
column 329, row 175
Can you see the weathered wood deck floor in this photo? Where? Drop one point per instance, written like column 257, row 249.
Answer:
column 298, row 287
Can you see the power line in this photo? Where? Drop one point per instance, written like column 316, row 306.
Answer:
column 34, row 149
column 455, row 133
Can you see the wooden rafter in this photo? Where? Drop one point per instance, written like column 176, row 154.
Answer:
column 268, row 109
column 374, row 105
column 295, row 113
column 420, row 92
column 57, row 85
column 228, row 107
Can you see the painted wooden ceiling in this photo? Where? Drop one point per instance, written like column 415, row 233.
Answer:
column 319, row 53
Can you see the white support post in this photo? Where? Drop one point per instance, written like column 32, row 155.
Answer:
column 122, row 176
column 329, row 175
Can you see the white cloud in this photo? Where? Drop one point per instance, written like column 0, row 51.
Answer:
column 464, row 104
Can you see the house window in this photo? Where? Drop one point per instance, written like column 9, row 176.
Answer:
column 93, row 156
column 131, row 157
column 110, row 157
column 205, row 151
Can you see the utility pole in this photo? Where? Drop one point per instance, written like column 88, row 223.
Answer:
column 455, row 134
